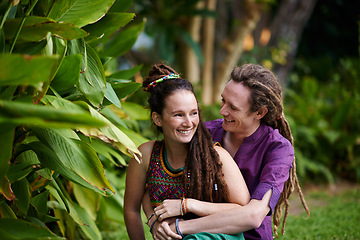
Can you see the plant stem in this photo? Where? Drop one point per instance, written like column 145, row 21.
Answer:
column 27, row 13
column 5, row 15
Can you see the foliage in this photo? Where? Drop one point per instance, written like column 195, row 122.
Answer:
column 323, row 119
column 62, row 128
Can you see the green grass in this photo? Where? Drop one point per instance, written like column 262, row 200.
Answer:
column 332, row 217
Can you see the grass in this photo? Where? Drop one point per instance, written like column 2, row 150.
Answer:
column 333, row 216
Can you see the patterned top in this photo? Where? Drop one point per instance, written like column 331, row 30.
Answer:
column 162, row 180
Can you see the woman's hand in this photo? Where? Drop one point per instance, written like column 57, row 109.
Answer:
column 162, row 230
column 169, row 208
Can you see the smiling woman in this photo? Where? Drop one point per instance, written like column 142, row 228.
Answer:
column 169, row 182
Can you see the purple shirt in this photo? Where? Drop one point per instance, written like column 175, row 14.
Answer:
column 264, row 159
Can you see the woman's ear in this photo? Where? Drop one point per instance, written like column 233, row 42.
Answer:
column 156, row 118
column 261, row 112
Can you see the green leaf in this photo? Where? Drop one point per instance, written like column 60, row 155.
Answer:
column 68, row 74
column 36, row 28
column 120, row 6
column 24, row 167
column 77, row 156
column 92, row 78
column 111, row 95
column 6, row 212
column 22, row 193
column 7, row 132
column 87, row 199
column 40, row 202
column 113, row 135
column 102, row 29
column 34, row 69
column 125, row 89
column 79, row 12
column 30, row 114
column 124, row 74
column 89, row 228
column 20, row 229
column 135, row 111
column 124, row 41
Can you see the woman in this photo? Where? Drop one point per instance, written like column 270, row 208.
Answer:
column 255, row 132
column 185, row 168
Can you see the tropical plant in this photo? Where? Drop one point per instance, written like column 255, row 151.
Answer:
column 62, row 132
column 324, row 123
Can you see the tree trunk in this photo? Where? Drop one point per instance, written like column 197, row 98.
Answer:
column 251, row 11
column 208, row 50
column 288, row 26
column 191, row 62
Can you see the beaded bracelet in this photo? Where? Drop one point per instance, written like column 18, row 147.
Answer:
column 150, row 218
column 177, row 228
column 152, row 225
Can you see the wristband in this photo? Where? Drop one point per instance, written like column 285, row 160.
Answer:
column 177, row 228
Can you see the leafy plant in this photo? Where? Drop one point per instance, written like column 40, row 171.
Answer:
column 61, row 118
column 323, row 121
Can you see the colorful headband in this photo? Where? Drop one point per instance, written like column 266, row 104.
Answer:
column 154, row 83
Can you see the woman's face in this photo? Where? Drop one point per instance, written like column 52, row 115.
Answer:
column 180, row 117
column 235, row 108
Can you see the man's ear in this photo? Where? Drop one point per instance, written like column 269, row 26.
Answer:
column 261, row 112
column 156, row 118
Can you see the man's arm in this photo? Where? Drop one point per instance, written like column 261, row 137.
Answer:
column 235, row 220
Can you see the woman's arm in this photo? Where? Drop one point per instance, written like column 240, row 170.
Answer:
column 235, row 220
column 134, row 192
column 238, row 193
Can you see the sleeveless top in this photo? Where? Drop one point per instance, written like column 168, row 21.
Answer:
column 163, row 182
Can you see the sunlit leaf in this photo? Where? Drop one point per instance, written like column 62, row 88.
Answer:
column 34, row 69
column 87, row 199
column 135, row 111
column 111, row 95
column 36, row 28
column 114, row 135
column 77, row 156
column 120, row 6
column 31, row 114
column 79, row 12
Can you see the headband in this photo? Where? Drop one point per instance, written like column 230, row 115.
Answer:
column 154, row 83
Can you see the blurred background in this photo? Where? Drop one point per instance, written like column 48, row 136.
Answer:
column 72, row 110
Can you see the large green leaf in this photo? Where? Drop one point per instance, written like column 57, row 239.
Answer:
column 92, row 78
column 102, row 29
column 68, row 74
column 124, row 41
column 79, row 12
column 20, row 229
column 77, row 156
column 34, row 69
column 114, row 135
column 36, row 28
column 30, row 114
